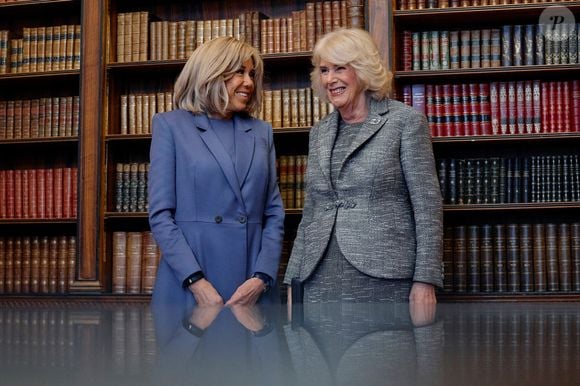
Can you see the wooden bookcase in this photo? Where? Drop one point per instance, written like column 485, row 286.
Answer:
column 474, row 268
column 100, row 145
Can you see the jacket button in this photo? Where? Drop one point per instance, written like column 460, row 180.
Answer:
column 242, row 219
column 218, row 219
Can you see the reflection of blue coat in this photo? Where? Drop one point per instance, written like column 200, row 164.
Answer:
column 209, row 212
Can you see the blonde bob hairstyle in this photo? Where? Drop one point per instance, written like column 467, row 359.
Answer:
column 354, row 47
column 201, row 85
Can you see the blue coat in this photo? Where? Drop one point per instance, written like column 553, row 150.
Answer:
column 208, row 213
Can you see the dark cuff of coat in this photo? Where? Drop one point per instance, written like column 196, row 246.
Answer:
column 193, row 278
column 267, row 279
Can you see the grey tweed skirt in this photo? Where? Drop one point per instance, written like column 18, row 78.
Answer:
column 335, row 279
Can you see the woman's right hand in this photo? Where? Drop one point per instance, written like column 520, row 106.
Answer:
column 205, row 294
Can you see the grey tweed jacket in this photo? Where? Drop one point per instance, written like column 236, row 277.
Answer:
column 386, row 205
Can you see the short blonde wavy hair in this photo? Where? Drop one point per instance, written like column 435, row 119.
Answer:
column 201, row 85
column 354, row 47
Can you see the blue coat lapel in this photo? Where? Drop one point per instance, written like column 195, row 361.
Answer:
column 245, row 144
column 218, row 151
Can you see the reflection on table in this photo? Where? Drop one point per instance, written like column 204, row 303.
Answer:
column 60, row 343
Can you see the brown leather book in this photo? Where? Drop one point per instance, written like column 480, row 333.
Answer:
column 149, row 262
column 72, row 260
column 53, row 251
column 43, row 267
column 539, row 256
column 552, row 257
column 26, row 256
column 62, row 265
column 460, row 259
column 526, row 258
column 119, row 261
column 17, row 265
column 134, row 251
column 35, row 264
column 564, row 258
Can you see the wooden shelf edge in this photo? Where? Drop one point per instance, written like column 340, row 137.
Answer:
column 125, row 215
column 482, row 9
column 72, row 299
column 36, row 3
column 127, row 137
column 39, row 75
column 487, row 71
column 505, row 138
column 40, row 141
column 514, row 206
column 24, row 221
column 509, row 297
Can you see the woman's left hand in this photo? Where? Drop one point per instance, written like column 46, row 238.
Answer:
column 248, row 293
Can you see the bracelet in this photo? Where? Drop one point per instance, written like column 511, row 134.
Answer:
column 265, row 278
column 194, row 277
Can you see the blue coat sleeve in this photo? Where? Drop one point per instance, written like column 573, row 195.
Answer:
column 162, row 202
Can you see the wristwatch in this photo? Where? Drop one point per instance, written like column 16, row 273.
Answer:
column 265, row 278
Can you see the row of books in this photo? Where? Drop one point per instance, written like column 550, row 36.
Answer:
column 166, row 40
column 512, row 257
column 138, row 109
column 51, row 338
column 41, row 49
column 291, row 172
column 498, row 108
column 39, row 193
column 528, row 179
column 404, row 5
column 131, row 180
column 37, row 264
column 510, row 45
column 135, row 259
column 293, row 107
column 40, row 118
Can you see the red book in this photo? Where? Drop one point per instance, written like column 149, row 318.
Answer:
column 520, row 108
column 40, row 193
column 545, row 108
column 407, row 51
column 67, row 193
column 57, row 195
column 32, row 202
column 458, row 118
column 49, row 193
column 576, row 105
column 9, row 193
column 430, row 108
column 485, row 109
column 74, row 194
column 528, row 107
column 558, row 99
column 3, row 194
column 25, row 189
column 466, row 109
column 18, row 193
column 566, row 106
column 439, row 110
column 552, row 108
column 537, row 100
column 474, row 109
column 512, row 112
column 448, row 121
column 503, row 108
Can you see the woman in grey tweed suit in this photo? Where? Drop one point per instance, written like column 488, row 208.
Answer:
column 372, row 222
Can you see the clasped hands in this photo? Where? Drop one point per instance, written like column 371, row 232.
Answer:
column 242, row 304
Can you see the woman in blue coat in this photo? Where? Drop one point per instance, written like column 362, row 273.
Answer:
column 214, row 204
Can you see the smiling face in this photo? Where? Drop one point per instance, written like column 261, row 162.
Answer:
column 240, row 88
column 343, row 88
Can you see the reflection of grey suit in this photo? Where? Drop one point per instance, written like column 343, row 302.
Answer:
column 386, row 205
column 364, row 344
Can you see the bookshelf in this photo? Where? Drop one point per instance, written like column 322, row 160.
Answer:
column 507, row 163
column 140, row 74
column 40, row 79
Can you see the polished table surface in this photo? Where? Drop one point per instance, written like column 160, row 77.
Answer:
column 331, row 344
